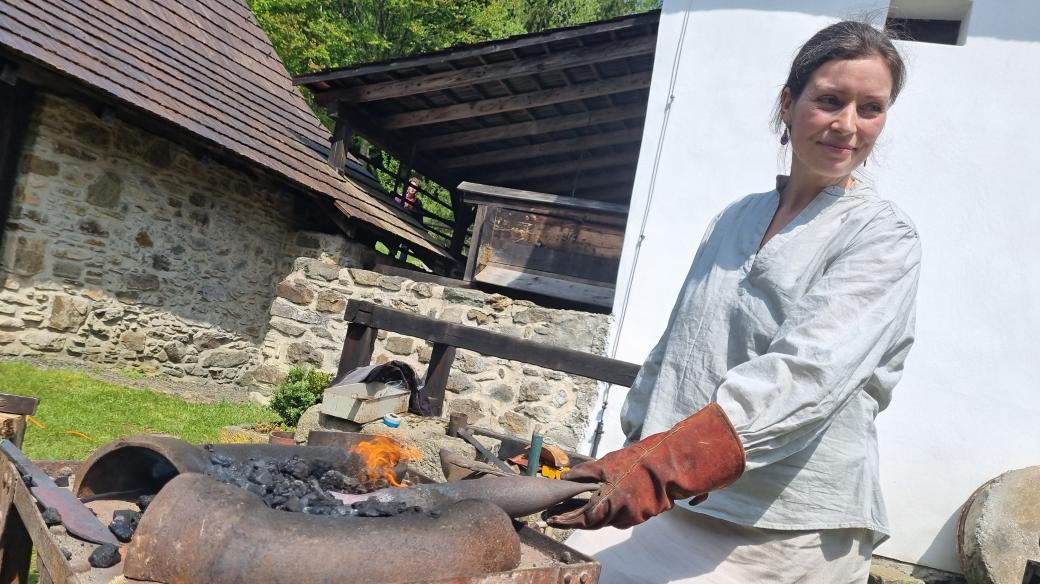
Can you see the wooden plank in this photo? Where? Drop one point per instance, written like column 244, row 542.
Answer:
column 535, row 127
column 597, row 268
column 358, row 347
column 486, row 107
column 477, row 193
column 490, row 157
column 18, row 404
column 493, row 344
column 441, row 359
column 563, row 167
column 19, row 505
column 580, row 57
column 466, row 52
column 547, row 284
column 513, row 228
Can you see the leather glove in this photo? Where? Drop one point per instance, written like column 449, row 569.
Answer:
column 699, row 454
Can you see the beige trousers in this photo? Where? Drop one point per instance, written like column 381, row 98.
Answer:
column 691, row 548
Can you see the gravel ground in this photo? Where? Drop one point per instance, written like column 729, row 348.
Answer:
column 198, row 392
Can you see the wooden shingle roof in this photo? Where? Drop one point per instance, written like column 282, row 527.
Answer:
column 204, row 66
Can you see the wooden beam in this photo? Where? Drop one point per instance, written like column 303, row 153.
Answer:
column 486, row 107
column 579, row 57
column 577, row 144
column 18, row 404
column 563, row 167
column 493, row 344
column 633, row 21
column 533, row 128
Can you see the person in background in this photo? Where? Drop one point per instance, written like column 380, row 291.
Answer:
column 410, row 200
column 787, row 339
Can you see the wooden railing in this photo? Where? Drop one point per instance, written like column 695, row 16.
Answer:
column 367, row 319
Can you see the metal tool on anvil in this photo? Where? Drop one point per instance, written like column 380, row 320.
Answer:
column 518, row 496
column 78, row 520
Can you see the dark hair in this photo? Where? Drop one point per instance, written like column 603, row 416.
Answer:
column 848, row 39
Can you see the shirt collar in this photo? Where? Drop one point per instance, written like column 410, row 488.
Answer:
column 858, row 189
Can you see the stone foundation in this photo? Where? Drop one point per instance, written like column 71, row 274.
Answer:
column 307, row 328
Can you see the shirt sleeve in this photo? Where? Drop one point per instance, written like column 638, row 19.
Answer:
column 633, row 411
column 852, row 323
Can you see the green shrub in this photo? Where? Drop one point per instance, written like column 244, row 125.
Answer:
column 301, row 389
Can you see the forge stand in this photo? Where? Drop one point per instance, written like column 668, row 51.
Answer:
column 22, row 530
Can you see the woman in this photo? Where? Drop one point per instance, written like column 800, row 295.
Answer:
column 788, row 336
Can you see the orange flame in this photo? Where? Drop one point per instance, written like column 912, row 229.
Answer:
column 381, row 454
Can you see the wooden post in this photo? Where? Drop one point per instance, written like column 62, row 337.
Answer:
column 474, row 243
column 15, row 543
column 437, row 375
column 358, row 347
column 12, row 427
column 341, row 138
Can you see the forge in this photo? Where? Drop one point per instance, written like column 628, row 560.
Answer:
column 236, row 513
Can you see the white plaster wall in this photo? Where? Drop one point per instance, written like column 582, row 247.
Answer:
column 959, row 155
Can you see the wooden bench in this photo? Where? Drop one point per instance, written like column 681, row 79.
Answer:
column 367, row 319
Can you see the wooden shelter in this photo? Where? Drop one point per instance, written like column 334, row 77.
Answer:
column 557, row 112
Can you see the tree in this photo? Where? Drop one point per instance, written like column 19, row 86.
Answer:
column 312, row 35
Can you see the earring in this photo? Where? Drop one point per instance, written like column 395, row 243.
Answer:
column 785, row 137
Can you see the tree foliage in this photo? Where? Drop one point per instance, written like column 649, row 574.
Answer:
column 312, row 35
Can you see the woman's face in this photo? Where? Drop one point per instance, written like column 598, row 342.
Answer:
column 837, row 118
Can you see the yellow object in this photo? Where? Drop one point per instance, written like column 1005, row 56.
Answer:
column 552, row 472
column 34, row 422
column 79, row 434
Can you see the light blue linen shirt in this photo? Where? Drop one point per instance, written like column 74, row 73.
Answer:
column 801, row 342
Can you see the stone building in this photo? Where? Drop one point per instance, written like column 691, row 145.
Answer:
column 167, row 206
column 159, row 177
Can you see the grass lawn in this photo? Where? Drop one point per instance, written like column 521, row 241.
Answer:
column 80, row 413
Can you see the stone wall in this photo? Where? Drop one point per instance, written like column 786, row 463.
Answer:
column 307, row 327
column 125, row 248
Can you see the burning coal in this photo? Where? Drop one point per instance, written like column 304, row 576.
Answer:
column 296, row 484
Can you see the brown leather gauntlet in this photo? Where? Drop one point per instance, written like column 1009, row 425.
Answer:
column 699, row 454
